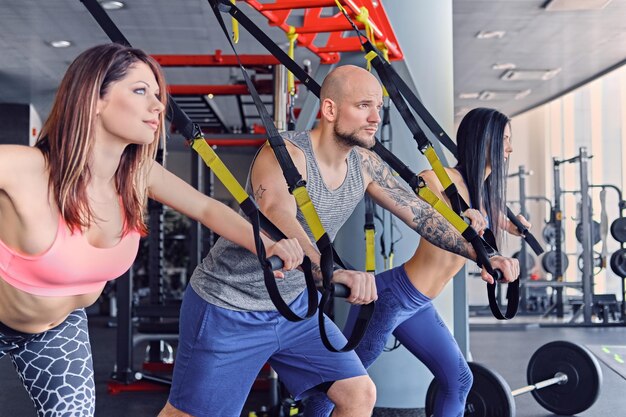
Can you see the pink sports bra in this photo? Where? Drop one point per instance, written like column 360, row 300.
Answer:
column 71, row 266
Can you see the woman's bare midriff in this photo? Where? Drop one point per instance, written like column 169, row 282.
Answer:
column 431, row 268
column 28, row 313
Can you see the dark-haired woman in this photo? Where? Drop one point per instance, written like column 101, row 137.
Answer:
column 405, row 293
column 71, row 215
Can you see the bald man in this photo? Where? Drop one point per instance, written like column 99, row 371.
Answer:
column 229, row 327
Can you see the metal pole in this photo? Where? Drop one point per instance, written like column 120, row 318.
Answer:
column 523, row 252
column 587, row 244
column 280, row 97
column 558, row 217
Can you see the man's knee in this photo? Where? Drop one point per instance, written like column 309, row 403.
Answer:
column 170, row 411
column 358, row 391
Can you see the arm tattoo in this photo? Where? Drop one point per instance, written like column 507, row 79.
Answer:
column 426, row 221
column 258, row 194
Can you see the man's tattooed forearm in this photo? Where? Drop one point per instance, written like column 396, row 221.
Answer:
column 438, row 231
column 426, row 220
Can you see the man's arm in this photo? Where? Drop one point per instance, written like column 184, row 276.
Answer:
column 387, row 191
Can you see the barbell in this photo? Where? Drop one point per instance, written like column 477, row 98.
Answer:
column 563, row 377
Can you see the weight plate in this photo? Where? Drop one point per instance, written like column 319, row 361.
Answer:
column 490, row 395
column 549, row 233
column 597, row 263
column 618, row 263
column 618, row 229
column 583, row 372
column 549, row 262
column 595, row 233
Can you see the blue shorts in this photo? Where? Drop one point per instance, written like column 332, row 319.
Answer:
column 221, row 352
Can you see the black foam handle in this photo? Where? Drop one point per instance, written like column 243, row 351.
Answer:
column 496, row 274
column 275, row 262
column 341, row 291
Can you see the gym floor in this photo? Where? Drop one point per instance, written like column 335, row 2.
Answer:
column 505, row 349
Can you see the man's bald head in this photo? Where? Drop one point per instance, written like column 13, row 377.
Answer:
column 345, row 81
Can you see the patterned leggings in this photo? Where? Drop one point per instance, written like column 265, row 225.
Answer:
column 55, row 366
column 406, row 313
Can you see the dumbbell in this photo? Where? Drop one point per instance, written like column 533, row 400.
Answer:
column 563, row 377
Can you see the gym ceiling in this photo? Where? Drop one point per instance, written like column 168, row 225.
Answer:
column 567, row 48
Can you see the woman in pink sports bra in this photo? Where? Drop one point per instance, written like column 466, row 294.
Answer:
column 72, row 211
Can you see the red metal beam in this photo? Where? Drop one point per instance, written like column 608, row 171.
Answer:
column 236, row 142
column 262, row 86
column 278, row 12
column 215, row 60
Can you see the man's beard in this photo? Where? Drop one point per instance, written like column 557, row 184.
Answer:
column 348, row 139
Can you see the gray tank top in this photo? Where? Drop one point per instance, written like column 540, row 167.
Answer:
column 231, row 277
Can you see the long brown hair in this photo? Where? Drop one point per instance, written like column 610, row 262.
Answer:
column 67, row 136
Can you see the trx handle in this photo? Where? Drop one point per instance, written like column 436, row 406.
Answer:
column 297, row 187
column 193, row 132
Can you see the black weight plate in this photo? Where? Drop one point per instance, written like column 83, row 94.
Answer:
column 597, row 263
column 490, row 395
column 618, row 263
column 548, row 262
column 582, row 369
column 595, row 232
column 618, row 229
column 549, row 233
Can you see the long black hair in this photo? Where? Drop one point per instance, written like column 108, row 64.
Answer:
column 480, row 142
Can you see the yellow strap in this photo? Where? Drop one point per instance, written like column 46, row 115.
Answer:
column 209, row 156
column 364, row 17
column 431, row 198
column 368, row 57
column 303, row 200
column 391, row 256
column 292, row 36
column 235, row 27
column 370, row 250
column 437, row 166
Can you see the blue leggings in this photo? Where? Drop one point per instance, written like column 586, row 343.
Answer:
column 402, row 310
column 55, row 366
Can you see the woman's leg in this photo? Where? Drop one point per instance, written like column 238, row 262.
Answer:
column 56, row 369
column 427, row 337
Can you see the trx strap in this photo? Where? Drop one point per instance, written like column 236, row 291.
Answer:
column 196, row 140
column 297, row 187
column 483, row 250
column 370, row 233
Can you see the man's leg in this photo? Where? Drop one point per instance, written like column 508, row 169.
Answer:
column 219, row 355
column 304, row 364
column 427, row 337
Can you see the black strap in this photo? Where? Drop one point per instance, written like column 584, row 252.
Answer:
column 193, row 132
column 294, row 180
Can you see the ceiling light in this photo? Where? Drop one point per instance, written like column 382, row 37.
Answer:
column 60, row 44
column 503, row 66
column 487, row 95
column 571, row 5
column 111, row 5
column 468, row 96
column 529, row 75
column 490, row 34
column 210, row 96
